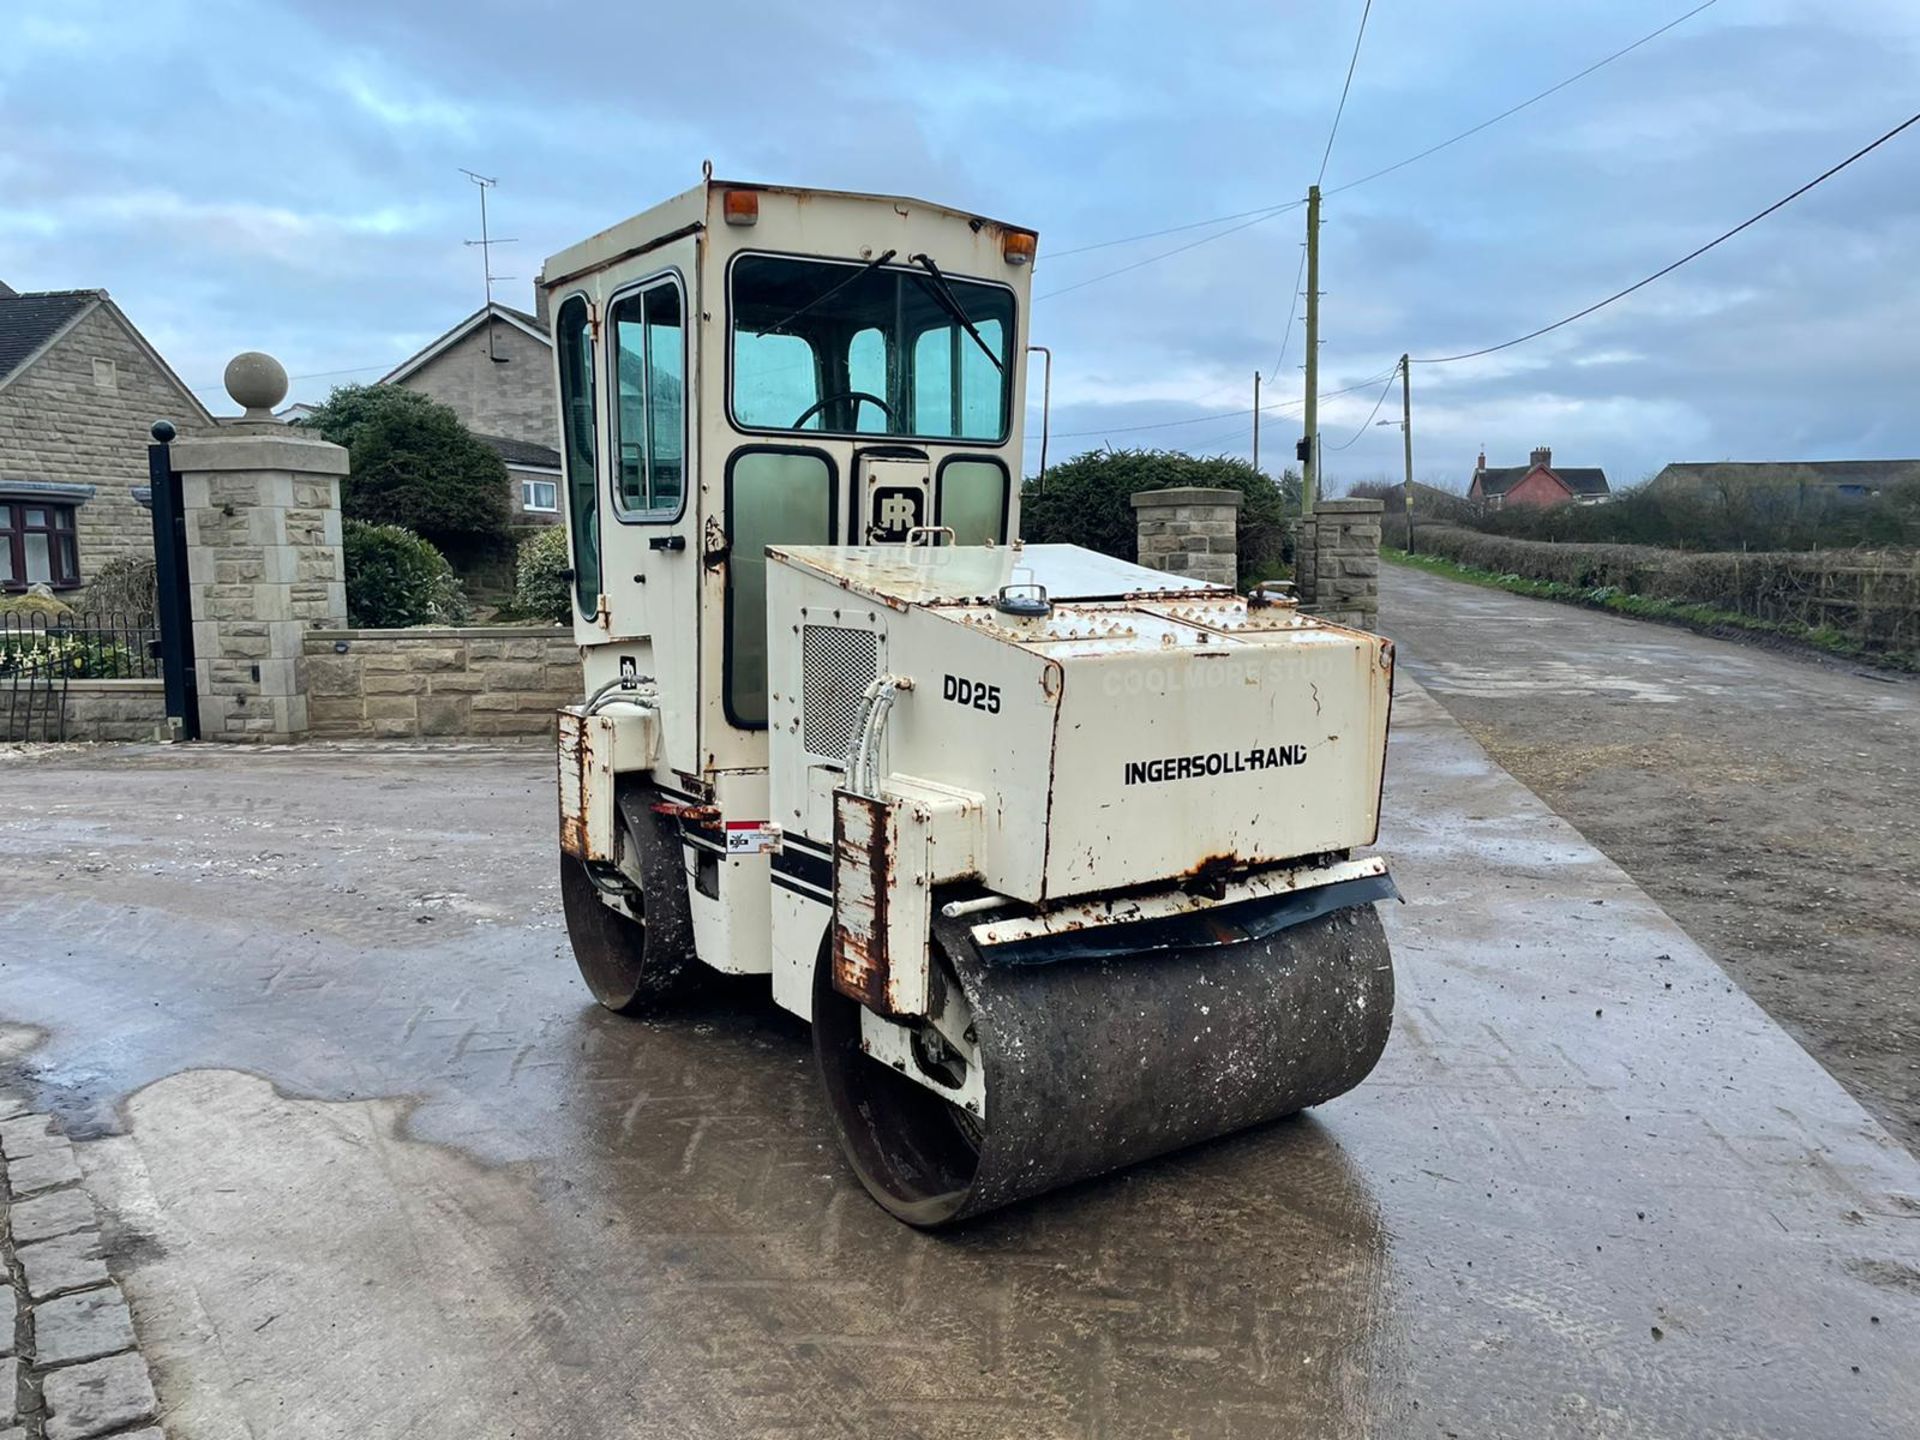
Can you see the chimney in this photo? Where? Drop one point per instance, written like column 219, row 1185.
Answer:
column 1480, row 465
column 1543, row 458
column 540, row 301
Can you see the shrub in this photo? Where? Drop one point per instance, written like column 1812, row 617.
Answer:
column 79, row 654
column 37, row 605
column 396, row 579
column 125, row 585
column 542, row 580
column 414, row 464
column 1087, row 501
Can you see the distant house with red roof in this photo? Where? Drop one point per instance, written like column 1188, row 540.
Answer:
column 1538, row 482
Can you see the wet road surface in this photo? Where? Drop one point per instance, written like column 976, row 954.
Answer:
column 1768, row 802
column 376, row 1167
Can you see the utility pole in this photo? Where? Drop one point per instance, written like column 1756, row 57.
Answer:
column 1406, row 437
column 1256, row 421
column 1310, row 475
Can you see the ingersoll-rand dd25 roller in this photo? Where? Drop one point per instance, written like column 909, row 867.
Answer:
column 1053, row 851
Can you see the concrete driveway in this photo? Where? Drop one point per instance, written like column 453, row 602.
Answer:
column 374, row 1165
column 1770, row 803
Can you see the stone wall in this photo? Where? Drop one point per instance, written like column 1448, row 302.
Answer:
column 93, row 710
column 1337, row 562
column 511, row 396
column 1190, row 530
column 498, row 680
column 66, row 421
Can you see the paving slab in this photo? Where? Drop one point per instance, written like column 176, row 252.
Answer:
column 9, row 1391
column 28, row 1134
column 102, row 1395
column 82, row 1326
column 69, row 1262
column 1591, row 1190
column 59, row 1212
column 42, row 1170
column 9, row 1310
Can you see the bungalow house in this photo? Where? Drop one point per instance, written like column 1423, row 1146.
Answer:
column 1538, row 482
column 1842, row 479
column 495, row 371
column 80, row 388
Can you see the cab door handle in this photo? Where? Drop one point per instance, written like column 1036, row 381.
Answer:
column 667, row 542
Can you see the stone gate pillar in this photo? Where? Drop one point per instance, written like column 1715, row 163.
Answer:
column 264, row 564
column 1190, row 530
column 1337, row 562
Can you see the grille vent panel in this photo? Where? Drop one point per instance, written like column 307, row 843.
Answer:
column 836, row 667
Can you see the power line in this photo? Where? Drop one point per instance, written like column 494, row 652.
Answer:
column 1368, row 424
column 1222, row 415
column 1269, row 212
column 1534, row 100
column 1286, row 336
column 1263, row 211
column 1341, row 109
column 309, row 375
column 1178, row 249
column 1684, row 259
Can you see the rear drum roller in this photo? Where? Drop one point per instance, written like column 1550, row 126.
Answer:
column 633, row 961
column 1092, row 1064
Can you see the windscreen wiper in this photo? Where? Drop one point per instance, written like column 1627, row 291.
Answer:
column 943, row 292
column 827, row 294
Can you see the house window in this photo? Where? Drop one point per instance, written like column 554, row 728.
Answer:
column 37, row 545
column 540, row 495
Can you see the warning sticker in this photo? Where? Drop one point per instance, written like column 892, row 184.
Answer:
column 752, row 837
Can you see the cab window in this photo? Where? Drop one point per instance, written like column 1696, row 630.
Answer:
column 573, row 342
column 774, row 497
column 649, row 372
column 841, row 348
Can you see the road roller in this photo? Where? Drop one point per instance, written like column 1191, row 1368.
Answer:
column 1061, row 857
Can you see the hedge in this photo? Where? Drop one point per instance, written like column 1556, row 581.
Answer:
column 1872, row 597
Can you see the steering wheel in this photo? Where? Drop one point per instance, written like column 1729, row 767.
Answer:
column 826, row 400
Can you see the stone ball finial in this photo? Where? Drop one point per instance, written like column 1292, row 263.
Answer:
column 257, row 382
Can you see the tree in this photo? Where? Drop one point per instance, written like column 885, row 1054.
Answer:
column 413, row 464
column 1088, row 501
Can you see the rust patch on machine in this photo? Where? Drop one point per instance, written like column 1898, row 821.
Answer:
column 863, row 878
column 576, row 765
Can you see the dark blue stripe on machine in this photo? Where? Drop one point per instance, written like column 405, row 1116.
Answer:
column 806, row 892
column 798, row 864
column 825, row 852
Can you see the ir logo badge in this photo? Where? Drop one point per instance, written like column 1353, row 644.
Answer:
column 896, row 510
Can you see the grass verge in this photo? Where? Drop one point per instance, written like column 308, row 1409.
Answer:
column 1705, row 619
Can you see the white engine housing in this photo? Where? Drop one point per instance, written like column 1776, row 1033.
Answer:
column 1146, row 730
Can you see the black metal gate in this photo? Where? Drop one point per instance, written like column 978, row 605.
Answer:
column 170, row 580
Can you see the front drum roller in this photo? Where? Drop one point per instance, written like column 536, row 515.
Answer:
column 636, row 958
column 1092, row 1064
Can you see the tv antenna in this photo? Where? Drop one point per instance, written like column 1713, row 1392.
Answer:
column 486, row 243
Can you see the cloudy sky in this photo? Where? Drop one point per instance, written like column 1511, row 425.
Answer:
column 286, row 176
